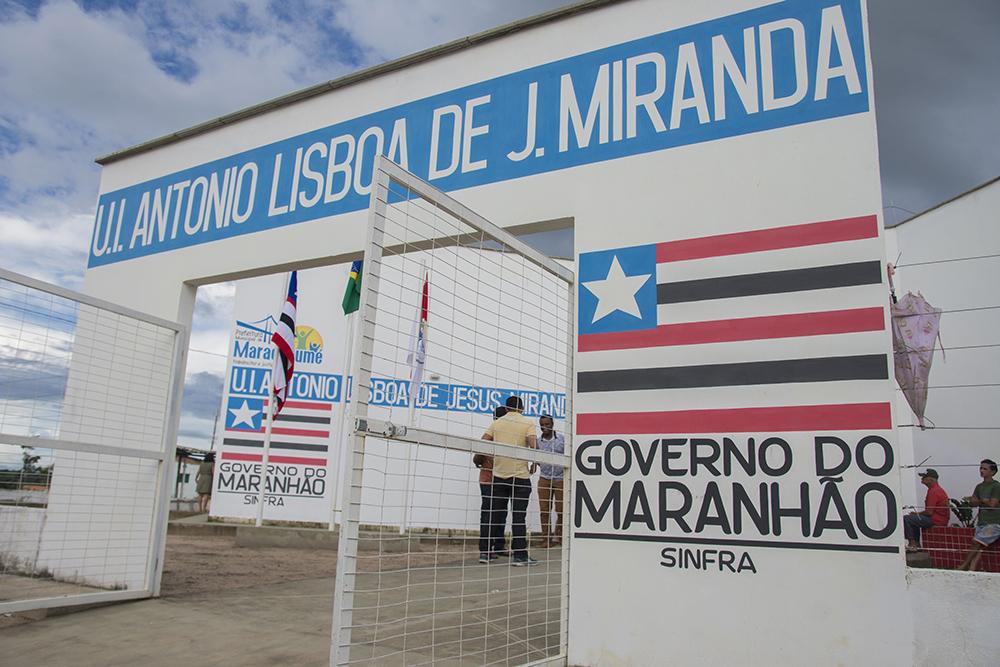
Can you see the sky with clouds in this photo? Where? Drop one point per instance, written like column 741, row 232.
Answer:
column 81, row 79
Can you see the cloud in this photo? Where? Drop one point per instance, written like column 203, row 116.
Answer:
column 80, row 81
column 199, row 408
column 75, row 84
column 385, row 29
column 202, row 393
column 937, row 93
column 214, row 305
column 46, row 246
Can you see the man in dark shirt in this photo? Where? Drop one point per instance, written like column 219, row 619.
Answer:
column 935, row 512
column 987, row 498
column 490, row 547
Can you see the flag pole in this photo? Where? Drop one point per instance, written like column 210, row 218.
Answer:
column 409, row 470
column 264, row 459
column 411, row 417
column 336, row 504
column 270, row 418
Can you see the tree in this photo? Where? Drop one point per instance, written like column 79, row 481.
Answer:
column 29, row 460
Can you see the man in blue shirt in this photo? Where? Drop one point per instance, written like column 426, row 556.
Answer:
column 550, row 484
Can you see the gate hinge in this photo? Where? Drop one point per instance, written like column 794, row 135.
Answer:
column 380, row 428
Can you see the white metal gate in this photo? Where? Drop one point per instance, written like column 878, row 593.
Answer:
column 89, row 392
column 410, row 587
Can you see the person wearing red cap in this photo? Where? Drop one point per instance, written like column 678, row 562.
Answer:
column 937, row 509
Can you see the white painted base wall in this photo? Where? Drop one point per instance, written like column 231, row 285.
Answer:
column 20, row 537
column 954, row 617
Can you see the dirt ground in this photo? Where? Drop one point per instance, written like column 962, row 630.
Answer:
column 202, row 563
column 226, row 605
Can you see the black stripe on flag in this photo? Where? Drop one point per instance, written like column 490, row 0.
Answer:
column 240, row 442
column 282, row 417
column 822, row 369
column 770, row 282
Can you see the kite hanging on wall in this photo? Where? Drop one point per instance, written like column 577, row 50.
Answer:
column 915, row 327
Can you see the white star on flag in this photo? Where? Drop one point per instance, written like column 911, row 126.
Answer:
column 243, row 414
column 616, row 292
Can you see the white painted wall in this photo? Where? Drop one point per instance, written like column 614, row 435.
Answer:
column 20, row 537
column 963, row 229
column 835, row 607
column 953, row 617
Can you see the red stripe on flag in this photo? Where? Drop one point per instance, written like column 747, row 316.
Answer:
column 747, row 328
column 298, row 431
column 847, row 417
column 296, row 459
column 284, row 347
column 424, row 300
column 794, row 236
column 305, row 405
column 275, row 430
column 232, row 456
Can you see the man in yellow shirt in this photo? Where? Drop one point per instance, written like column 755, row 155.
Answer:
column 512, row 479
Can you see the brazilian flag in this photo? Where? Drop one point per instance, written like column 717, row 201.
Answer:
column 352, row 295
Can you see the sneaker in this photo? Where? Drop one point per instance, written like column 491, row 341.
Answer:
column 524, row 562
column 486, row 558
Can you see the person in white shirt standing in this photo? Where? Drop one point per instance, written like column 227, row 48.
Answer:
column 550, row 484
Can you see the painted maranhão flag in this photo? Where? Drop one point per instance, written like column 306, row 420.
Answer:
column 766, row 327
column 299, row 436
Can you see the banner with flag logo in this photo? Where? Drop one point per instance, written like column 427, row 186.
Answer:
column 301, row 453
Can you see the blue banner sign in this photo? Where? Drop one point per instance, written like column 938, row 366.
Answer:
column 784, row 64
column 393, row 393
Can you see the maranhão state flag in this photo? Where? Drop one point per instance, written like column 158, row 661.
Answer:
column 284, row 340
column 770, row 330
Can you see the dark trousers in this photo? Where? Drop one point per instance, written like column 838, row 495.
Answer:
column 486, row 540
column 514, row 491
column 913, row 524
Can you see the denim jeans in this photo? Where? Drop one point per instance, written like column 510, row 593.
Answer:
column 516, row 492
column 912, row 523
column 486, row 540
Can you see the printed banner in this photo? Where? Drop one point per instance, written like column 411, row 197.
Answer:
column 303, row 451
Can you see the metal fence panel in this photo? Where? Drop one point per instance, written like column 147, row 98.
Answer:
column 411, row 588
column 88, row 391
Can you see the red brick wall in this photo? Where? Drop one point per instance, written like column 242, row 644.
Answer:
column 947, row 547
